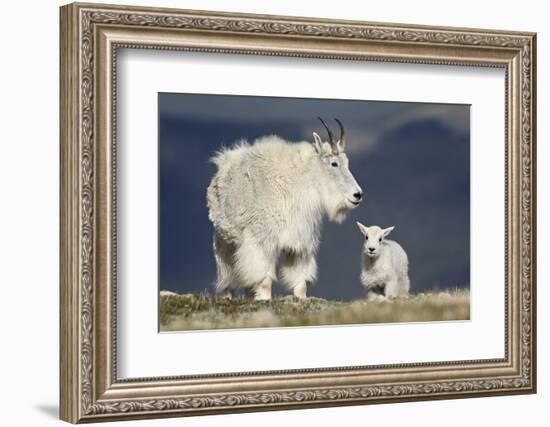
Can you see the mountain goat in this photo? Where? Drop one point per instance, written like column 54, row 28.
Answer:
column 385, row 265
column 267, row 200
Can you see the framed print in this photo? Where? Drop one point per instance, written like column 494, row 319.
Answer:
column 266, row 212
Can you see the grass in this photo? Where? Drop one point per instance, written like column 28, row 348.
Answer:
column 202, row 311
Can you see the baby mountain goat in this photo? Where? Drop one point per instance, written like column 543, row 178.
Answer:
column 267, row 200
column 385, row 265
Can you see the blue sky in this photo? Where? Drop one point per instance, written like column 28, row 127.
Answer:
column 411, row 159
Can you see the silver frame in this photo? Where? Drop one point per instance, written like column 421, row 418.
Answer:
column 90, row 37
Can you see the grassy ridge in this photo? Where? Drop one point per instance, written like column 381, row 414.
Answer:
column 202, row 311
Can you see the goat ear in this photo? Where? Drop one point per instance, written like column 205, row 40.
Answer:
column 387, row 231
column 340, row 146
column 318, row 143
column 362, row 228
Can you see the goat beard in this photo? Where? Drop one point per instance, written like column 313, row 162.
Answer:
column 339, row 213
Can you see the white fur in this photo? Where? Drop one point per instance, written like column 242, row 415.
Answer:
column 385, row 265
column 266, row 201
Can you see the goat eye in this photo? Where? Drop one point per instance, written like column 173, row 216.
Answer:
column 366, row 237
column 380, row 239
column 334, row 164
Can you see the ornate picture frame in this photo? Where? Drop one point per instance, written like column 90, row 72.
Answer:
column 90, row 37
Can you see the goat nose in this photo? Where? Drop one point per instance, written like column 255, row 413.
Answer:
column 371, row 249
column 358, row 195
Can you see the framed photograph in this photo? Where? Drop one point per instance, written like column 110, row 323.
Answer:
column 267, row 212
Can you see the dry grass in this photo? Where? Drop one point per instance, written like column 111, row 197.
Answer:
column 201, row 311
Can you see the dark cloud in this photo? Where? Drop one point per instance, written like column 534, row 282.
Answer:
column 411, row 159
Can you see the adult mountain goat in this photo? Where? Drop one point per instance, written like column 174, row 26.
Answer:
column 267, row 200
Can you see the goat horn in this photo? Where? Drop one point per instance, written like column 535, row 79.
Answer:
column 330, row 136
column 342, row 136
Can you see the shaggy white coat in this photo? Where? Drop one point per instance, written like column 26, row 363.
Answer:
column 266, row 202
column 385, row 265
